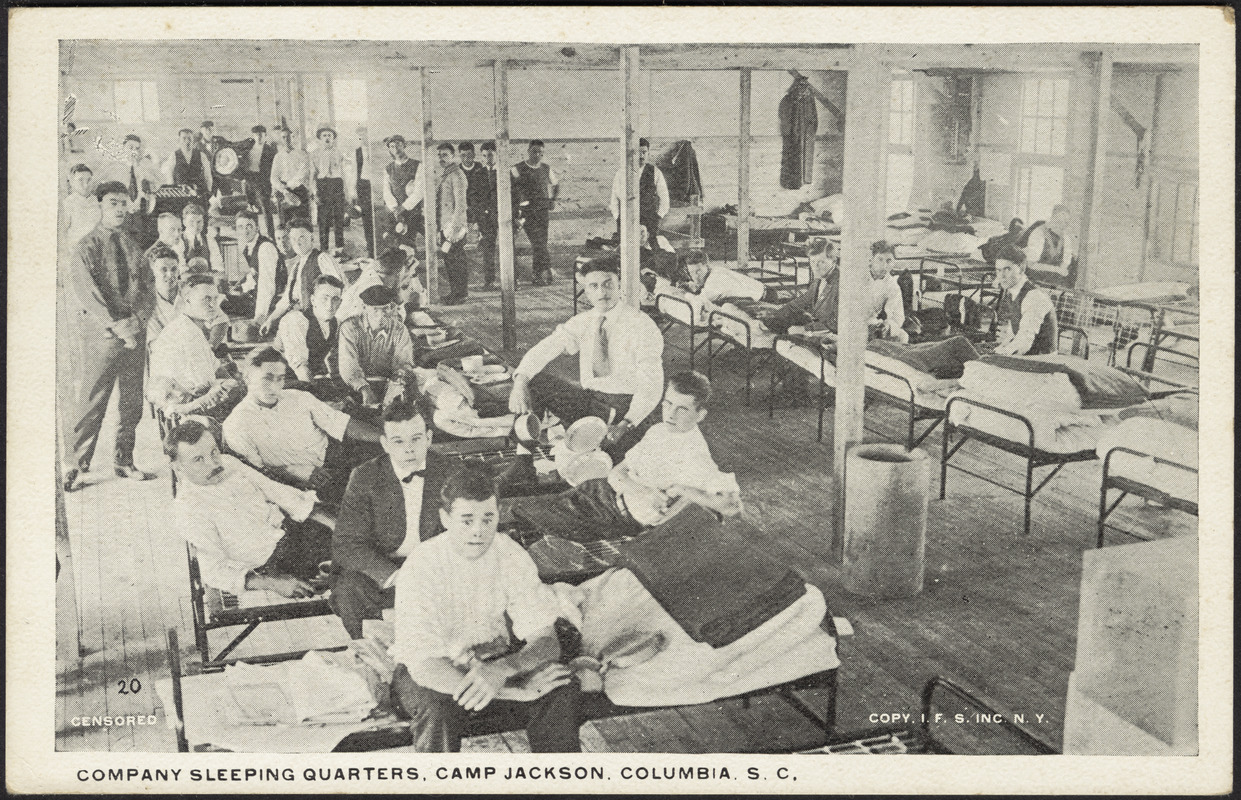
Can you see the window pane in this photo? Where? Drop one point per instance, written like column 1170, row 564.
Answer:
column 1042, row 136
column 150, row 101
column 1029, row 99
column 1062, row 99
column 1046, row 98
column 1027, row 136
column 1059, row 135
column 907, row 134
column 1046, row 190
column 907, row 96
column 900, row 182
column 129, row 101
column 894, row 128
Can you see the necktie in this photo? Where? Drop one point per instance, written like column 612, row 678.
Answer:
column 122, row 265
column 133, row 183
column 601, row 363
column 416, row 474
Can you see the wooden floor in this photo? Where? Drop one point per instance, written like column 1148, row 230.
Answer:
column 998, row 614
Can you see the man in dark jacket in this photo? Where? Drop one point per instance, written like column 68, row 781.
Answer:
column 391, row 503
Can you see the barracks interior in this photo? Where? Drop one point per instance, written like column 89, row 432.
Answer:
column 609, row 398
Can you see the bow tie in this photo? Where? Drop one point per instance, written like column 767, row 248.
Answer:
column 417, row 474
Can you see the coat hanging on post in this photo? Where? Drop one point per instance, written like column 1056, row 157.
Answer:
column 682, row 174
column 798, row 122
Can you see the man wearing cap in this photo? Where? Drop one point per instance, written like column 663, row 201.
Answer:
column 483, row 181
column 106, row 299
column 450, row 213
column 387, row 270
column 404, row 191
column 290, row 179
column 535, row 186
column 334, row 186
column 620, row 366
column 653, row 202
column 376, row 345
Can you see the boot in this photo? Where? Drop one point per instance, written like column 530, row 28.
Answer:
column 520, row 474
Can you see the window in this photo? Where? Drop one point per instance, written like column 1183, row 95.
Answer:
column 349, row 101
column 901, row 113
column 136, row 101
column 1039, row 188
column 1176, row 219
column 1045, row 116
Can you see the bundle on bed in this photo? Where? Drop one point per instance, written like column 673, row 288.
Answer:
column 1165, row 429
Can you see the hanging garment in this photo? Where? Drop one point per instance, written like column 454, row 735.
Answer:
column 974, row 196
column 682, row 176
column 798, row 122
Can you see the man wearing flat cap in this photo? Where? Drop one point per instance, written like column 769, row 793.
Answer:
column 375, row 345
column 404, row 191
column 334, row 186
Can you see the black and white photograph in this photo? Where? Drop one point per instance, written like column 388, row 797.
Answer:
column 620, row 400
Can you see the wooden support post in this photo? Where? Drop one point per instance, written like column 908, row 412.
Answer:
column 504, row 210
column 1151, row 155
column 865, row 180
column 1093, row 201
column 743, row 174
column 430, row 176
column 630, row 288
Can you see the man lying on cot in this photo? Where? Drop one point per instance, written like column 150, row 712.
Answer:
column 670, row 467
column 250, row 531
column 474, row 628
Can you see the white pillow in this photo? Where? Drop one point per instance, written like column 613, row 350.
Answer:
column 835, row 203
column 1010, row 389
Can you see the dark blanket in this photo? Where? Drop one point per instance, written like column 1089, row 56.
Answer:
column 1181, row 409
column 944, row 359
column 711, row 576
column 1098, row 385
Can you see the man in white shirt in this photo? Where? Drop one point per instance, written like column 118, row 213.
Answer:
column 334, row 187
column 474, row 629
column 404, row 190
column 1051, row 248
column 290, row 179
column 304, row 267
column 236, row 518
column 653, row 201
column 670, row 467
column 79, row 211
column 308, row 337
column 294, row 436
column 137, row 171
column 886, row 312
column 186, row 377
column 166, row 270
column 389, row 507
column 450, row 213
column 169, row 227
column 1026, row 316
column 620, row 352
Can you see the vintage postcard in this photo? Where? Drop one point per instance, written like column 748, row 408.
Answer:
column 620, row 400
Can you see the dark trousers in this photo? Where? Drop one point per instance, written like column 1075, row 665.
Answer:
column 536, row 231
column 487, row 232
column 331, row 193
column 366, row 203
column 457, row 268
column 570, row 403
column 258, row 194
column 651, row 222
column 414, row 225
column 304, row 546
column 438, row 723
column 355, row 597
column 90, row 369
column 339, row 462
column 289, row 213
column 586, row 513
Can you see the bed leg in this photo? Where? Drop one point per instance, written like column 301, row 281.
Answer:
column 943, row 459
column 748, row 376
column 822, row 400
column 1029, row 493
column 1102, row 511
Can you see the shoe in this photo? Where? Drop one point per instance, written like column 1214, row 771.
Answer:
column 132, row 472
column 73, row 480
column 520, row 473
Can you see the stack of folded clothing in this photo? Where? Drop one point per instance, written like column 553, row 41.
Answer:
column 709, row 578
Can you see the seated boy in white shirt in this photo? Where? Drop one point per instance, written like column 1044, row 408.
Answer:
column 670, row 467
column 466, row 600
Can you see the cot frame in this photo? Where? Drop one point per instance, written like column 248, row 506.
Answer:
column 716, row 333
column 1128, row 486
column 699, row 337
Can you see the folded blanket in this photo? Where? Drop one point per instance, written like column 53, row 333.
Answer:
column 1099, row 385
column 1179, row 409
column 709, row 577
column 944, row 359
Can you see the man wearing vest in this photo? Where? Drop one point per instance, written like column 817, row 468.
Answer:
column 480, row 199
column 1026, row 316
column 304, row 268
column 265, row 275
column 535, row 187
column 403, row 191
column 653, row 199
column 189, row 166
column 307, row 337
column 450, row 214
column 258, row 174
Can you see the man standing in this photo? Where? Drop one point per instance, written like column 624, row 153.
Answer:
column 404, row 190
column 535, row 187
column 1026, row 316
column 653, row 202
column 290, row 179
column 189, row 166
column 304, row 268
column 451, row 214
column 259, row 163
column 79, row 211
column 485, row 210
column 620, row 351
column 376, row 345
column 107, row 298
column 333, row 187
column 390, row 505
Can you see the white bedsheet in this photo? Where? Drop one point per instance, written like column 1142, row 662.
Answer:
column 760, row 337
column 929, row 392
column 1160, row 438
column 615, row 605
column 1056, row 430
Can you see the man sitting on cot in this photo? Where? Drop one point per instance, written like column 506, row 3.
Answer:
column 1026, row 316
column 814, row 311
column 250, row 531
column 620, row 367
column 886, row 312
column 474, row 629
column 670, row 467
column 296, row 437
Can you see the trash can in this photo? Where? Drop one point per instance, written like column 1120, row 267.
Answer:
column 886, row 492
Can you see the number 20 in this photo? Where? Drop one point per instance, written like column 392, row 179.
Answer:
column 132, row 686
